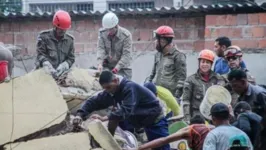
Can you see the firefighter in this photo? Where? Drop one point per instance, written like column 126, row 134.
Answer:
column 55, row 47
column 197, row 84
column 169, row 69
column 114, row 47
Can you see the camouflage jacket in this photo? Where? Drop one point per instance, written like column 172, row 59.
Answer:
column 49, row 48
column 170, row 71
column 194, row 90
column 115, row 52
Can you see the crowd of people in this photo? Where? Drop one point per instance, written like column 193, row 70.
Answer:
column 239, row 126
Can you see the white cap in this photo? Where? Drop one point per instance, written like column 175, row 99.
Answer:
column 110, row 20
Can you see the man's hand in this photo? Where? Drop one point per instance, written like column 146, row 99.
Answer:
column 96, row 116
column 77, row 123
column 48, row 68
column 62, row 68
column 115, row 70
column 100, row 68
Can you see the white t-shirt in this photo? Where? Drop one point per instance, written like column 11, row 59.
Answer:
column 218, row 138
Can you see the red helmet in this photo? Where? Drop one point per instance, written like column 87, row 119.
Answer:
column 62, row 20
column 165, row 31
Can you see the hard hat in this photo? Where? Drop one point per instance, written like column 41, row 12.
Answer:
column 109, row 20
column 206, row 54
column 233, row 51
column 62, row 20
column 164, row 31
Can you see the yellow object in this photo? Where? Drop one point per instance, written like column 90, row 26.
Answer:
column 170, row 101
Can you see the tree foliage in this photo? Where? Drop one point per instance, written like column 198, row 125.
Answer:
column 10, row 5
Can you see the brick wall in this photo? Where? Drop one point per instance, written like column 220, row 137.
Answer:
column 189, row 32
column 245, row 30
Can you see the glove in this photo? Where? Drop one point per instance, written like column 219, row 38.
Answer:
column 115, row 70
column 62, row 68
column 77, row 124
column 48, row 68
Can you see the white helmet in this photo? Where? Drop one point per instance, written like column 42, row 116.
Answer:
column 110, row 20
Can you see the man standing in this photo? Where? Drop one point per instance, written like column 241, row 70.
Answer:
column 169, row 69
column 218, row 138
column 221, row 65
column 134, row 103
column 55, row 48
column 114, row 47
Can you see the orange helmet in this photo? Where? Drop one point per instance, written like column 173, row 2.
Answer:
column 62, row 20
column 165, row 31
column 233, row 51
column 207, row 54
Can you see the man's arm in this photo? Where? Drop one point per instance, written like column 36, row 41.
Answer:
column 101, row 53
column 244, row 124
column 209, row 142
column 187, row 95
column 181, row 73
column 71, row 55
column 101, row 101
column 153, row 72
column 181, row 134
column 41, row 51
column 126, row 57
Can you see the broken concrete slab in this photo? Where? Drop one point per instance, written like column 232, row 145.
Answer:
column 73, row 141
column 102, row 136
column 28, row 103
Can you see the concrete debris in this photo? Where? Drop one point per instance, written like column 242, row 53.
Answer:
column 72, row 141
column 28, row 104
column 102, row 136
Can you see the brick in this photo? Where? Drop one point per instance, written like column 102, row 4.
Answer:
column 4, row 27
column 246, row 32
column 145, row 35
column 43, row 25
column 7, row 38
column 262, row 18
column 253, row 19
column 242, row 19
column 231, row 20
column 128, row 23
column 198, row 45
column 14, row 26
column 143, row 46
column 200, row 22
column 79, row 48
column 185, row 45
column 177, row 34
column 82, row 37
column 257, row 32
column 201, row 33
column 209, row 45
column 135, row 35
column 92, row 36
column 170, row 22
column 214, row 32
column 180, row 22
column 210, row 20
column 230, row 32
column 90, row 47
column 207, row 33
column 79, row 26
column 30, row 49
column 190, row 22
column 246, row 43
column 221, row 20
column 262, row 43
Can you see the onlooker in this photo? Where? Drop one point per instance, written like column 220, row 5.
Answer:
column 218, row 138
column 239, row 142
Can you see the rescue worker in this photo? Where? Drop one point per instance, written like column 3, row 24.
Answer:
column 194, row 133
column 55, row 47
column 169, row 69
column 197, row 84
column 6, row 64
column 114, row 47
column 134, row 103
column 165, row 96
column 221, row 65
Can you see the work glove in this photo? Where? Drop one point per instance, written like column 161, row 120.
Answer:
column 61, row 69
column 77, row 123
column 115, row 70
column 48, row 68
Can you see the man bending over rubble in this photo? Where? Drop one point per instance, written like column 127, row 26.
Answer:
column 134, row 103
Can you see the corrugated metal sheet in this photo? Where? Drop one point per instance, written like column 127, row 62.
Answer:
column 201, row 9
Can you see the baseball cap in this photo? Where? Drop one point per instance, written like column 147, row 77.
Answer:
column 218, row 108
column 238, row 141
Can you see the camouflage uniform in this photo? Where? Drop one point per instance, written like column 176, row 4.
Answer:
column 234, row 95
column 49, row 48
column 115, row 52
column 194, row 90
column 170, row 71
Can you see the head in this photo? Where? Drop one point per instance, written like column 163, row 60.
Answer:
column 152, row 87
column 110, row 23
column 197, row 119
column 164, row 37
column 233, row 55
column 220, row 114
column 241, row 107
column 206, row 58
column 109, row 82
column 61, row 22
column 220, row 45
column 238, row 81
column 238, row 142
